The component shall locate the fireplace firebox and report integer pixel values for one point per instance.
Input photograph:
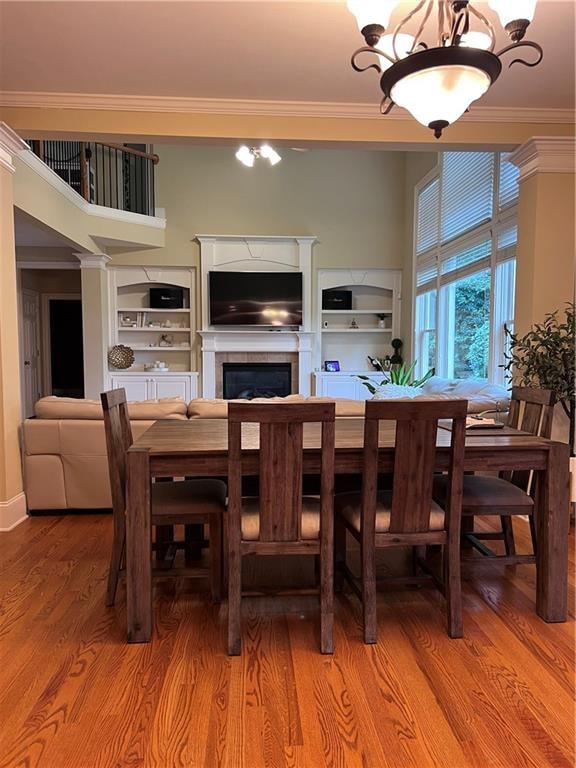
(249, 380)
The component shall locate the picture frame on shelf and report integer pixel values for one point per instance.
(332, 366)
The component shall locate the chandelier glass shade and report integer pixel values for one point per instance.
(438, 83)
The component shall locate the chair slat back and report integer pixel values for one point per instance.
(280, 463)
(118, 440)
(531, 410)
(414, 460)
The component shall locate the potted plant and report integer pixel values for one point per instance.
(544, 357)
(397, 382)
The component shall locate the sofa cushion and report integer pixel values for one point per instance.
(217, 407)
(76, 408)
(344, 406)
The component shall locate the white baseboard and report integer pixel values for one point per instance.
(12, 512)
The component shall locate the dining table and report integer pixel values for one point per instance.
(199, 448)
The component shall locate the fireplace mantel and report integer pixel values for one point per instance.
(214, 341)
(257, 253)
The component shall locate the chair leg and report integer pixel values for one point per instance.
(467, 526)
(327, 597)
(193, 535)
(164, 535)
(234, 596)
(116, 562)
(508, 534)
(216, 558)
(453, 588)
(339, 553)
(368, 556)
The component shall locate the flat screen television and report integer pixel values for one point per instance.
(255, 298)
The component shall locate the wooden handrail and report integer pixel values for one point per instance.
(155, 159)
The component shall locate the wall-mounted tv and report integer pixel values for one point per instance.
(255, 298)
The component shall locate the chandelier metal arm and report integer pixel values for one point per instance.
(488, 23)
(369, 49)
(404, 21)
(525, 44)
(459, 27)
(385, 109)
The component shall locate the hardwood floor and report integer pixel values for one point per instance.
(74, 694)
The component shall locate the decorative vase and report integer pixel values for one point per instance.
(393, 391)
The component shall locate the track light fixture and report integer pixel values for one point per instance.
(247, 155)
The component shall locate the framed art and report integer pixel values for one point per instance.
(332, 366)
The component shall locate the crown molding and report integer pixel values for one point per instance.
(10, 144)
(257, 108)
(545, 154)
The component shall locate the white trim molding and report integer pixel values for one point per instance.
(93, 260)
(51, 177)
(13, 512)
(253, 107)
(10, 145)
(47, 265)
(545, 154)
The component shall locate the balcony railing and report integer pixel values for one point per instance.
(115, 175)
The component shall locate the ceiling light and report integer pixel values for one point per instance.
(247, 155)
(372, 17)
(515, 15)
(437, 83)
(270, 154)
(403, 44)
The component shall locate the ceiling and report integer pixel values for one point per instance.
(263, 50)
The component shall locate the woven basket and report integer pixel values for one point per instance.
(121, 356)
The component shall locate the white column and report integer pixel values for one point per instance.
(12, 499)
(95, 322)
(545, 258)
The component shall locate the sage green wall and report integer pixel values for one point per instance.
(352, 200)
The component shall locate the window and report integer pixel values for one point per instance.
(465, 250)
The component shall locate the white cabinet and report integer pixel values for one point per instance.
(367, 328)
(143, 386)
(344, 384)
(153, 333)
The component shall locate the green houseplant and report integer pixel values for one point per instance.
(544, 357)
(396, 376)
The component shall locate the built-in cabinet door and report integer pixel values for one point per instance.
(157, 387)
(137, 387)
(172, 386)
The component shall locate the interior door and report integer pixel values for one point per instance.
(30, 351)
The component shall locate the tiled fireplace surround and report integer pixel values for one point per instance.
(256, 357)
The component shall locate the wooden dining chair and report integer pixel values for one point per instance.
(172, 503)
(280, 521)
(406, 515)
(509, 494)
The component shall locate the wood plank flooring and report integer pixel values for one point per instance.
(73, 694)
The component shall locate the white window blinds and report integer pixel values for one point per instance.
(506, 239)
(507, 182)
(467, 192)
(465, 260)
(428, 216)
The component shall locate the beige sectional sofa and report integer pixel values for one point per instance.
(64, 448)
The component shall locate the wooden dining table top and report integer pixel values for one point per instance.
(211, 436)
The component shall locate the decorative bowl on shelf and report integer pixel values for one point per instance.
(157, 367)
(121, 356)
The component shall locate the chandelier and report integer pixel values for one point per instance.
(438, 83)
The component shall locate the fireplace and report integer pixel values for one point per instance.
(249, 380)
